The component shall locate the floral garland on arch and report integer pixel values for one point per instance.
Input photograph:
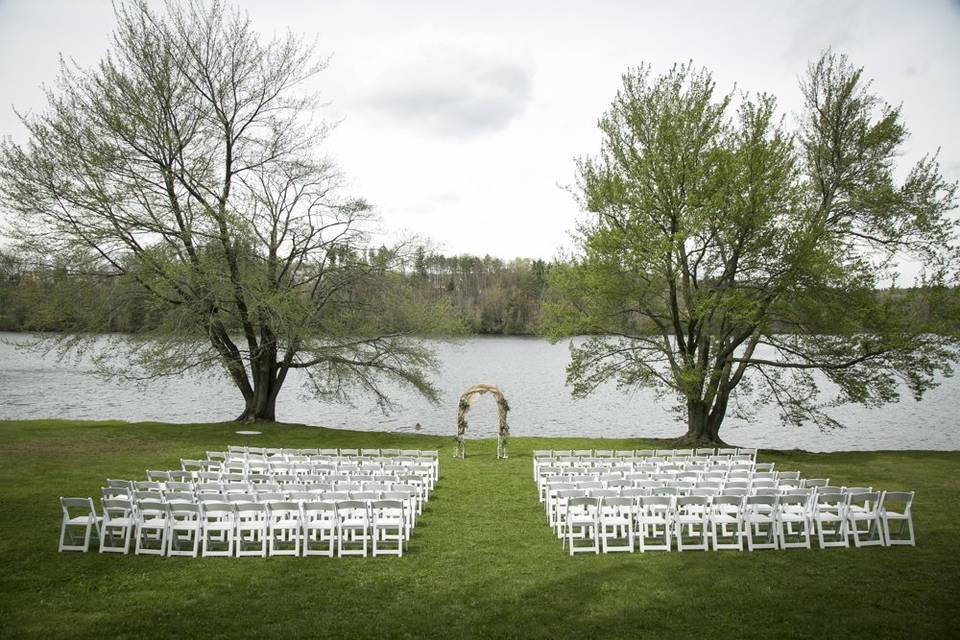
(466, 401)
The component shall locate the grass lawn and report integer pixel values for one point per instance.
(482, 561)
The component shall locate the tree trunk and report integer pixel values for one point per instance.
(261, 405)
(703, 426)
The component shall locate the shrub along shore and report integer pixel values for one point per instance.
(481, 563)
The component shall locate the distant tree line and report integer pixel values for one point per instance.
(487, 295)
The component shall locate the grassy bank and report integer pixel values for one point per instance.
(482, 562)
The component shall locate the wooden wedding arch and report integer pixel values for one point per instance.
(466, 401)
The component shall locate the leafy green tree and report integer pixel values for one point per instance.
(728, 260)
(188, 162)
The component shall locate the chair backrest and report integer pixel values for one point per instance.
(854, 490)
(124, 484)
(178, 497)
(656, 502)
(352, 508)
(112, 492)
(735, 491)
(116, 509)
(831, 498)
(281, 509)
(617, 502)
(319, 509)
(756, 500)
(728, 499)
(387, 507)
(691, 501)
(583, 503)
(183, 510)
(78, 507)
(269, 497)
(816, 482)
(153, 508)
(665, 491)
(795, 499)
(766, 491)
(704, 491)
(866, 499)
(250, 509)
(900, 501)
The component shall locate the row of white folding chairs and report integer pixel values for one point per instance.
(645, 453)
(726, 521)
(765, 479)
(403, 456)
(334, 451)
(424, 480)
(422, 474)
(651, 465)
(352, 463)
(656, 464)
(554, 504)
(263, 493)
(234, 465)
(693, 476)
(275, 483)
(276, 528)
(408, 494)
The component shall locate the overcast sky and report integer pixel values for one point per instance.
(461, 120)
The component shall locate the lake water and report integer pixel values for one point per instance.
(530, 371)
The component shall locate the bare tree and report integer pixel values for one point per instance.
(187, 160)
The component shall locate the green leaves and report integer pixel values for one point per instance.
(726, 251)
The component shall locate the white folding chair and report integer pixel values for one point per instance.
(897, 506)
(793, 521)
(760, 521)
(219, 525)
(319, 526)
(284, 528)
(830, 519)
(184, 529)
(726, 511)
(388, 527)
(863, 518)
(581, 523)
(690, 521)
(559, 502)
(656, 518)
(617, 523)
(118, 523)
(251, 529)
(151, 519)
(78, 513)
(353, 527)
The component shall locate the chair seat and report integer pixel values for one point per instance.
(154, 522)
(119, 522)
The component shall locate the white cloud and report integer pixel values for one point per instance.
(448, 85)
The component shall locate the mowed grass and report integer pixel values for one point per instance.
(482, 562)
